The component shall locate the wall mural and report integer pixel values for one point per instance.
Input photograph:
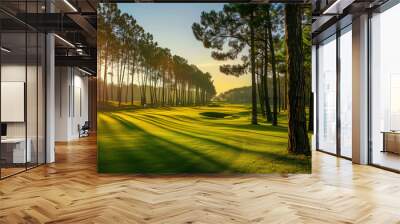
(204, 88)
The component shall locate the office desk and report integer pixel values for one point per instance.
(15, 148)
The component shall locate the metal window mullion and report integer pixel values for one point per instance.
(73, 92)
(369, 97)
(37, 90)
(26, 86)
(69, 93)
(338, 94)
(0, 91)
(317, 96)
(45, 89)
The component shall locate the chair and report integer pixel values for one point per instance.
(84, 130)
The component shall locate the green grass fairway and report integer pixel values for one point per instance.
(206, 139)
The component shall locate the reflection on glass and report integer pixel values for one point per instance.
(31, 98)
(22, 91)
(385, 92)
(346, 93)
(13, 79)
(394, 102)
(41, 99)
(327, 96)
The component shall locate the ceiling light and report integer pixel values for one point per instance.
(5, 50)
(86, 72)
(70, 5)
(79, 51)
(337, 7)
(65, 41)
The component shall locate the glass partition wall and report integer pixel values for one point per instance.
(345, 90)
(334, 83)
(22, 95)
(385, 89)
(327, 95)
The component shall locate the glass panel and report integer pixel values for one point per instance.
(13, 85)
(32, 88)
(346, 93)
(31, 98)
(385, 84)
(327, 96)
(41, 99)
(23, 82)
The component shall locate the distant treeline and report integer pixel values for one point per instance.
(126, 94)
(129, 56)
(240, 95)
(243, 95)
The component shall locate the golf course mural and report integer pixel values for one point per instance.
(204, 88)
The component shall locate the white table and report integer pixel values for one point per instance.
(19, 153)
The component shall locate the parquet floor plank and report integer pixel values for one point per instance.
(71, 191)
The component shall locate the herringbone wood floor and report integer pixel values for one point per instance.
(70, 191)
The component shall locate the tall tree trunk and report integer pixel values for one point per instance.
(285, 95)
(279, 94)
(127, 86)
(121, 81)
(99, 71)
(261, 93)
(298, 137)
(133, 76)
(112, 80)
(143, 88)
(311, 113)
(177, 94)
(253, 72)
(105, 71)
(151, 93)
(273, 65)
(265, 82)
(163, 89)
(155, 91)
(105, 88)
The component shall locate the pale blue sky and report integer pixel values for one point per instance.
(171, 26)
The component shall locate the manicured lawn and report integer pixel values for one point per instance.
(193, 140)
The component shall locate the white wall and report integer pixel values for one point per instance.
(71, 87)
(62, 81)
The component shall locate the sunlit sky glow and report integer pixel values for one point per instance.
(171, 26)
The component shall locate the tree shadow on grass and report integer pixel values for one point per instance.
(209, 122)
(156, 156)
(263, 132)
(287, 159)
(173, 123)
